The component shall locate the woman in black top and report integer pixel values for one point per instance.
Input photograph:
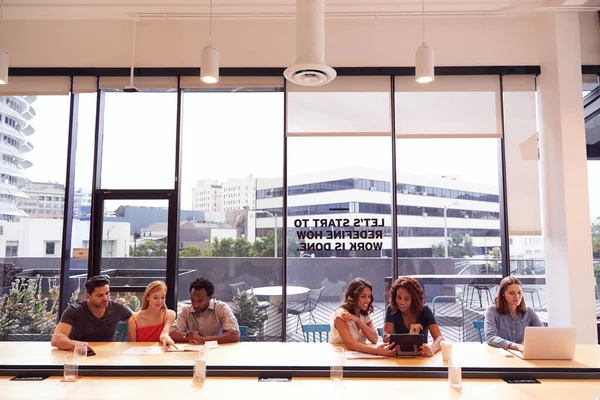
(407, 313)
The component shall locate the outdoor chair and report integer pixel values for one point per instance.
(312, 331)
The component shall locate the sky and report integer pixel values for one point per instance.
(233, 135)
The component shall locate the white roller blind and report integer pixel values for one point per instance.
(347, 106)
(233, 82)
(451, 106)
(36, 85)
(522, 163)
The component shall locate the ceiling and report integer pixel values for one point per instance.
(243, 9)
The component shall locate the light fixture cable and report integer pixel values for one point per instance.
(1, 16)
(423, 14)
(210, 25)
(133, 52)
(209, 66)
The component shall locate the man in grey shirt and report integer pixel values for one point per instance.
(206, 319)
(94, 319)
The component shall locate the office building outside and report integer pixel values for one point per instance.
(361, 199)
(239, 193)
(15, 114)
(207, 196)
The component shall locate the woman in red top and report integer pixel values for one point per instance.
(153, 322)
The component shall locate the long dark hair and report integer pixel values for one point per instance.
(500, 301)
(350, 300)
(414, 289)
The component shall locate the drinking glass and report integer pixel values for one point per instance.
(200, 364)
(454, 374)
(337, 364)
(70, 368)
(81, 353)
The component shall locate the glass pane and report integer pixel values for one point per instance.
(84, 160)
(139, 140)
(594, 190)
(225, 235)
(339, 224)
(527, 257)
(134, 243)
(34, 133)
(449, 227)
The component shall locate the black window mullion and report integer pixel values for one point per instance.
(65, 257)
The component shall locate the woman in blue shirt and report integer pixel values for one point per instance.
(407, 313)
(505, 321)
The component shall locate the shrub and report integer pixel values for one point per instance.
(9, 272)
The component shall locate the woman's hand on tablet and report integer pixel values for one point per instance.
(386, 349)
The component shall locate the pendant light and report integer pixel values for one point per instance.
(209, 66)
(3, 53)
(424, 64)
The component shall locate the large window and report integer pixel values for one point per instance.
(232, 139)
(339, 196)
(448, 195)
(338, 191)
(34, 131)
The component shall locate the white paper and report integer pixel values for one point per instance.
(145, 350)
(211, 344)
(185, 347)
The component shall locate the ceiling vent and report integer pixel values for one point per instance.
(310, 68)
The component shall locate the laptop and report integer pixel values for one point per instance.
(407, 344)
(542, 343)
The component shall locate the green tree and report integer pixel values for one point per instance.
(241, 247)
(221, 247)
(149, 248)
(191, 251)
(458, 247)
(264, 247)
(228, 247)
(596, 240)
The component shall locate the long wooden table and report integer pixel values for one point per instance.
(298, 359)
(299, 388)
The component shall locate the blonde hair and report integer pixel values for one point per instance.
(153, 287)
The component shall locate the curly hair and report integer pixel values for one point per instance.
(414, 289)
(350, 300)
(203, 283)
(153, 287)
(500, 301)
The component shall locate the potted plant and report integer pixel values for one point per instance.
(8, 272)
(245, 306)
(130, 300)
(24, 314)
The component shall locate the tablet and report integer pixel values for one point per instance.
(407, 344)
